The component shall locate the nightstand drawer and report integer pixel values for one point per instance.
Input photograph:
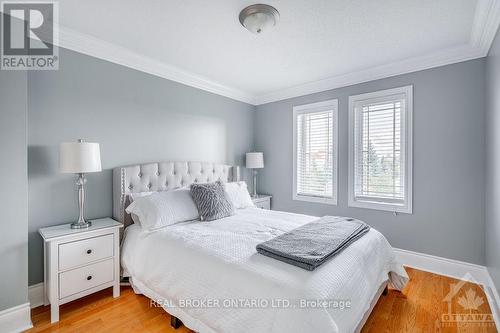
(83, 278)
(263, 204)
(79, 262)
(85, 251)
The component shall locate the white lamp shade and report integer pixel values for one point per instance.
(79, 157)
(255, 160)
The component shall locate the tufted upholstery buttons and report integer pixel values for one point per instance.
(166, 176)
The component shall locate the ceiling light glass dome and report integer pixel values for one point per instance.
(258, 18)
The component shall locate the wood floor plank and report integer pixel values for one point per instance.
(418, 309)
(421, 307)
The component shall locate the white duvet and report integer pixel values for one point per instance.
(209, 275)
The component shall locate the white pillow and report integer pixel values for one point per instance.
(238, 195)
(133, 196)
(161, 209)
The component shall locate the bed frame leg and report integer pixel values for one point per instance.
(175, 322)
(386, 291)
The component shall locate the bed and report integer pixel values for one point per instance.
(209, 275)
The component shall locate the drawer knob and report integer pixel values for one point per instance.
(89, 251)
(89, 277)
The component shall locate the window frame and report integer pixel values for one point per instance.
(329, 105)
(406, 143)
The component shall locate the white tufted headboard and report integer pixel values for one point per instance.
(163, 176)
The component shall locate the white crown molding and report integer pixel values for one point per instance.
(441, 58)
(485, 25)
(16, 319)
(95, 47)
(484, 29)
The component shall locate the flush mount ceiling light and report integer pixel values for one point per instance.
(258, 18)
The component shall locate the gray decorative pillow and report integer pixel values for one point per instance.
(212, 201)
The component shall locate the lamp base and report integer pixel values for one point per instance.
(254, 195)
(80, 225)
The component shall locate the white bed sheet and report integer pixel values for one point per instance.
(217, 262)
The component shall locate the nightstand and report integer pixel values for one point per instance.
(79, 262)
(262, 201)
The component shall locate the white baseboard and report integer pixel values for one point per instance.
(456, 269)
(493, 299)
(16, 319)
(443, 266)
(36, 294)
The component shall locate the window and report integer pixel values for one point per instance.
(315, 152)
(380, 150)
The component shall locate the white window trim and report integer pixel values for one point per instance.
(332, 105)
(408, 145)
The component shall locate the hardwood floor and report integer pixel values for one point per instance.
(420, 308)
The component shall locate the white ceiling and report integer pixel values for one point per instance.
(317, 44)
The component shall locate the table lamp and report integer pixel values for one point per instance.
(255, 160)
(80, 158)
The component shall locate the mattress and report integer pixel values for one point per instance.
(209, 275)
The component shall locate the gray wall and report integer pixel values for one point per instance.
(135, 117)
(14, 189)
(493, 162)
(448, 183)
(138, 118)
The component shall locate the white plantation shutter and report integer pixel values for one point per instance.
(380, 175)
(315, 142)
